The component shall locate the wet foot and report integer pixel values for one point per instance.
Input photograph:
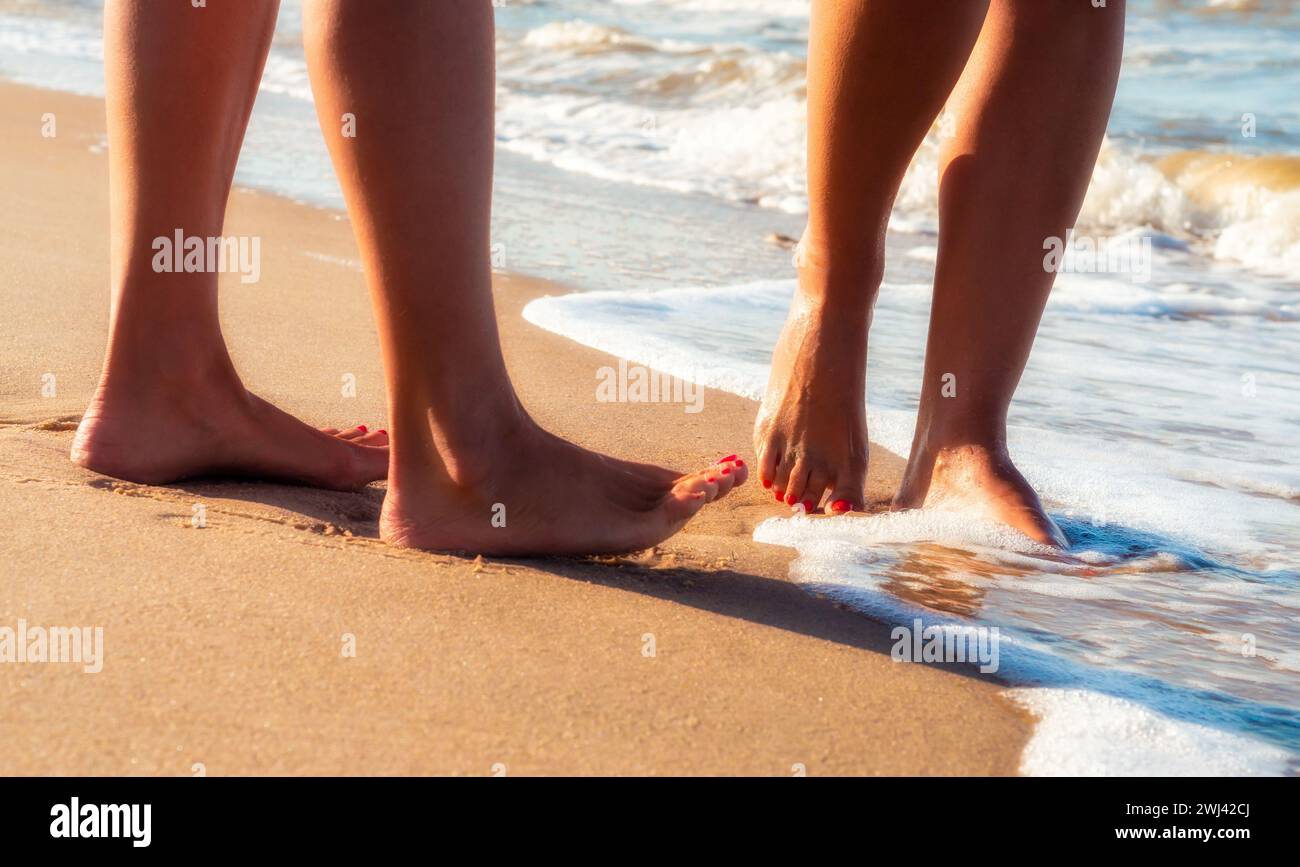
(522, 491)
(161, 433)
(981, 481)
(811, 432)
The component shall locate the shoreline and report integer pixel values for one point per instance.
(222, 644)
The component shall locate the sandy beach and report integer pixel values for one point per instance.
(224, 645)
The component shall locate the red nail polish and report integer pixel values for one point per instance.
(739, 462)
(841, 506)
(789, 500)
(727, 458)
(780, 496)
(726, 471)
(363, 428)
(710, 479)
(808, 506)
(384, 432)
(766, 483)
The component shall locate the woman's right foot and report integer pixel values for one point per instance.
(521, 491)
(979, 481)
(811, 431)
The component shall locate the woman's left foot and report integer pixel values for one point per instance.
(156, 432)
(979, 480)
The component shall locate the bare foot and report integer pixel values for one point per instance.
(523, 491)
(981, 481)
(811, 432)
(159, 433)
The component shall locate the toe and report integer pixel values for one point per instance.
(370, 462)
(361, 460)
(781, 478)
(352, 433)
(769, 456)
(681, 505)
(373, 438)
(716, 481)
(706, 482)
(818, 481)
(847, 489)
(730, 474)
(796, 483)
(1040, 527)
(844, 498)
(739, 473)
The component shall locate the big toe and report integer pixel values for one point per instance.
(370, 461)
(845, 498)
(1039, 526)
(681, 504)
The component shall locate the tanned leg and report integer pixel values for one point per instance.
(879, 72)
(180, 87)
(1031, 110)
(470, 470)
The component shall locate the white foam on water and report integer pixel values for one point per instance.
(1084, 733)
(600, 320)
(1100, 724)
(784, 8)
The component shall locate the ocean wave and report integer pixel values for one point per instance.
(583, 37)
(777, 8)
(1111, 296)
(1246, 207)
(727, 119)
(1085, 733)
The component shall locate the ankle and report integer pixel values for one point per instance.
(841, 311)
(839, 277)
(969, 438)
(846, 295)
(464, 442)
(159, 374)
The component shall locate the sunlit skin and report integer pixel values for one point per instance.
(417, 177)
(1029, 87)
(179, 87)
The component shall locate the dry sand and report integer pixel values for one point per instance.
(224, 645)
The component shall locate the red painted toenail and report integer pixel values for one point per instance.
(739, 462)
(789, 501)
(727, 458)
(384, 432)
(780, 496)
(363, 428)
(841, 506)
(808, 506)
(766, 483)
(710, 479)
(726, 471)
